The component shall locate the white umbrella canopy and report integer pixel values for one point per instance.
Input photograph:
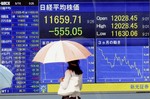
(5, 77)
(61, 51)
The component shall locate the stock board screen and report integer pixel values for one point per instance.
(116, 32)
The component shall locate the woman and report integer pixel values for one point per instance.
(72, 70)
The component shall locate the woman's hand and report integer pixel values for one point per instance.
(61, 79)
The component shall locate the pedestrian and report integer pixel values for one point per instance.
(73, 69)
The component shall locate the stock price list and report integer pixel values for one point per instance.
(19, 43)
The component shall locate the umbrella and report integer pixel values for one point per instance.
(5, 77)
(61, 51)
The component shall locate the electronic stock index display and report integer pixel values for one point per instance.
(116, 32)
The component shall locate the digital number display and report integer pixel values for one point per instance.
(68, 25)
(116, 32)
